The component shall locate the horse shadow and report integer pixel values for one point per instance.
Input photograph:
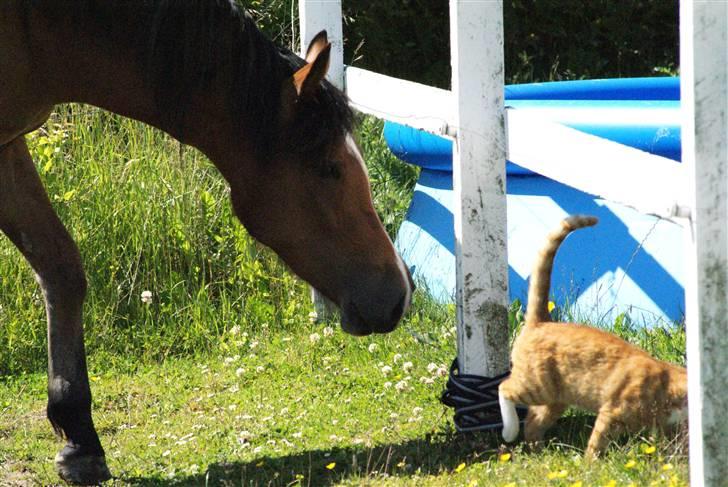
(431, 454)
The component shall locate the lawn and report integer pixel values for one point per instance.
(224, 377)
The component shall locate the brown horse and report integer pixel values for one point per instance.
(201, 71)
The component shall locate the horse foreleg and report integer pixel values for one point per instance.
(27, 218)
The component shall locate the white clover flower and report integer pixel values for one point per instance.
(441, 372)
(166, 453)
(372, 347)
(401, 386)
(432, 367)
(314, 337)
(407, 366)
(229, 360)
(387, 385)
(235, 330)
(146, 297)
(313, 317)
(254, 344)
(397, 357)
(427, 380)
(393, 416)
(239, 372)
(386, 369)
(328, 331)
(297, 434)
(259, 369)
(417, 411)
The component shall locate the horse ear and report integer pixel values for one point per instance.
(316, 45)
(308, 79)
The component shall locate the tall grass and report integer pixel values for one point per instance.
(151, 215)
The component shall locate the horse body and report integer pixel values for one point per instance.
(201, 71)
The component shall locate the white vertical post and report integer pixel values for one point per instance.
(479, 178)
(315, 16)
(704, 93)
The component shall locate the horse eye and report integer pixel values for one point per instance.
(330, 169)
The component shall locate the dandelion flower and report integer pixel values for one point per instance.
(630, 464)
(648, 449)
(504, 457)
(331, 466)
(460, 468)
(578, 483)
(551, 306)
(146, 297)
(667, 466)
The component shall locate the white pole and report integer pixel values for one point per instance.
(315, 16)
(318, 15)
(479, 178)
(704, 93)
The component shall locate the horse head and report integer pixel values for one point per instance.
(311, 203)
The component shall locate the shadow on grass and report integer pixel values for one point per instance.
(432, 455)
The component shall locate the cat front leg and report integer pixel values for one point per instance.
(606, 424)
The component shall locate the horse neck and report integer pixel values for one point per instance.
(97, 55)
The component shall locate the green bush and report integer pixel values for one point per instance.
(544, 40)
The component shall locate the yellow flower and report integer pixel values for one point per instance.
(648, 449)
(576, 484)
(630, 464)
(510, 484)
(561, 474)
(667, 466)
(299, 476)
(260, 464)
(331, 465)
(473, 483)
(552, 306)
(401, 464)
(460, 467)
(504, 457)
(611, 483)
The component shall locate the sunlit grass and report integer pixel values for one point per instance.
(206, 367)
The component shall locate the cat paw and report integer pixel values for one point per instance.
(510, 433)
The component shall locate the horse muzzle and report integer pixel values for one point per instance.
(377, 307)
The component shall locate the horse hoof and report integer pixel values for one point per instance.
(81, 469)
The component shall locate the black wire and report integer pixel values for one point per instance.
(475, 399)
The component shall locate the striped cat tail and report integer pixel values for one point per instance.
(540, 281)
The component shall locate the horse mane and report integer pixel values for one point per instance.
(194, 43)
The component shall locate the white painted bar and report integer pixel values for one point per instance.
(318, 15)
(479, 178)
(413, 104)
(315, 16)
(704, 92)
(649, 183)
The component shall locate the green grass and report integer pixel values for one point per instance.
(218, 381)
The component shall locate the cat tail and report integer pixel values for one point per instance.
(540, 282)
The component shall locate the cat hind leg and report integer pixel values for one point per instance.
(508, 414)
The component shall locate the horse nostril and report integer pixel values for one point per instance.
(399, 309)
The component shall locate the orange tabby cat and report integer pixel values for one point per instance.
(556, 365)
